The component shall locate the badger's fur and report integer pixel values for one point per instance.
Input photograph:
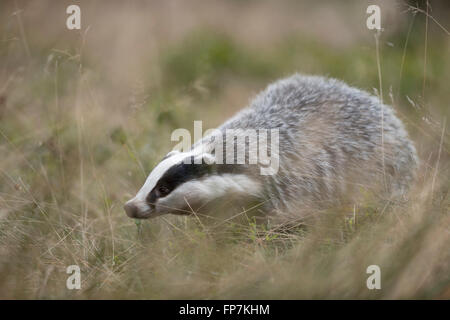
(334, 141)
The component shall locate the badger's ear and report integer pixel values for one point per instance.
(205, 158)
(208, 158)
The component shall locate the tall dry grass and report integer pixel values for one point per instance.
(85, 115)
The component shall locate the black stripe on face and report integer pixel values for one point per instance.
(175, 176)
(183, 172)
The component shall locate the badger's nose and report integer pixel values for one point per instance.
(130, 209)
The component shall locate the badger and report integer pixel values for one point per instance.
(333, 142)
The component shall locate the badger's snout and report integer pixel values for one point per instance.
(135, 209)
(131, 209)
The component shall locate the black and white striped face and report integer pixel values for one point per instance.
(182, 182)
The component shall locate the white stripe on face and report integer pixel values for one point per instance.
(158, 172)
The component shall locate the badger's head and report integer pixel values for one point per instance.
(186, 181)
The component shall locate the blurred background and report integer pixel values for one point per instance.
(85, 114)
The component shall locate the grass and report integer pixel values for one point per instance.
(84, 119)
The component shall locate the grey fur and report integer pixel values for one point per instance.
(331, 143)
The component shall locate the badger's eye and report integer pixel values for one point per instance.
(163, 190)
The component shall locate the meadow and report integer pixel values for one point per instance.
(85, 115)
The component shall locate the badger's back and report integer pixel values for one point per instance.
(333, 141)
